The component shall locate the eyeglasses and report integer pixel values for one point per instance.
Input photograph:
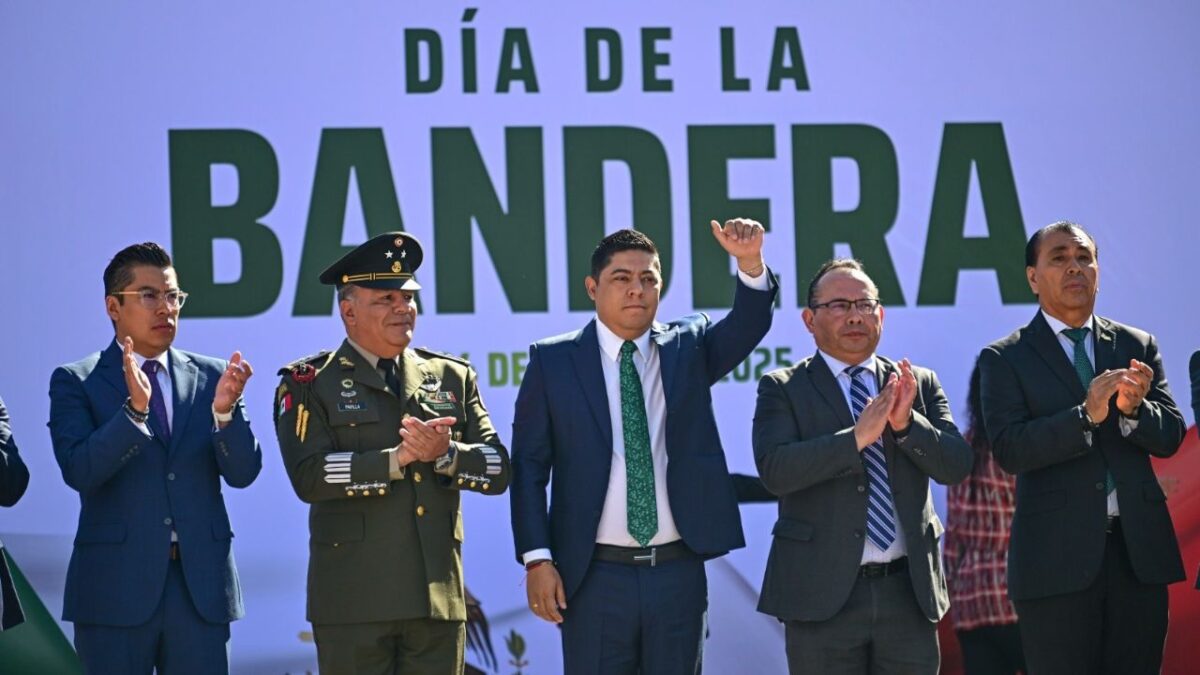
(842, 307)
(151, 298)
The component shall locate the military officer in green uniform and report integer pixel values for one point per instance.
(380, 439)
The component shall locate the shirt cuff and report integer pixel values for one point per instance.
(142, 426)
(395, 471)
(1128, 425)
(536, 554)
(758, 283)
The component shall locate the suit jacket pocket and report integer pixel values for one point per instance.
(100, 533)
(1045, 501)
(331, 529)
(796, 530)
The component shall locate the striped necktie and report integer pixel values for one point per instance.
(881, 523)
(1083, 368)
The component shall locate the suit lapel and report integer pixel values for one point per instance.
(1105, 346)
(1046, 344)
(184, 378)
(112, 370)
(414, 375)
(586, 359)
(362, 371)
(827, 386)
(668, 359)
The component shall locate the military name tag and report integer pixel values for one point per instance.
(441, 407)
(351, 406)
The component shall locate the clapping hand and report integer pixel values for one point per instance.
(136, 380)
(231, 384)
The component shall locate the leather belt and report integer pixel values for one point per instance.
(1112, 524)
(174, 550)
(651, 555)
(872, 570)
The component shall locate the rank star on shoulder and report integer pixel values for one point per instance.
(388, 255)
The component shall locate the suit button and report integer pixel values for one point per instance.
(166, 521)
(1099, 486)
(420, 510)
(862, 488)
(171, 476)
(858, 534)
(417, 477)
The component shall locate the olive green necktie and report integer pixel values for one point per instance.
(641, 515)
(1083, 368)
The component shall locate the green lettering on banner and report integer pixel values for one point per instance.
(709, 150)
(947, 251)
(469, 75)
(611, 39)
(196, 222)
(516, 46)
(652, 59)
(515, 239)
(414, 38)
(787, 61)
(342, 153)
(585, 150)
(819, 227)
(497, 369)
(729, 78)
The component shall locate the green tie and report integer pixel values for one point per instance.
(1083, 368)
(641, 510)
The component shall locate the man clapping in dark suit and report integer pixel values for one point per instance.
(617, 418)
(1075, 405)
(146, 433)
(849, 440)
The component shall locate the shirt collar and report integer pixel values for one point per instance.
(839, 367)
(610, 342)
(1058, 326)
(163, 362)
(370, 358)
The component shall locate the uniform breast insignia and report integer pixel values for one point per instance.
(345, 363)
(431, 382)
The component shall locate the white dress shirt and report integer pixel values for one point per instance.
(871, 552)
(1127, 425)
(614, 527)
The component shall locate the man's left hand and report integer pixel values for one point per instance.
(742, 238)
(231, 384)
(906, 392)
(428, 440)
(1134, 388)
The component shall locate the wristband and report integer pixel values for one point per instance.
(135, 414)
(538, 563)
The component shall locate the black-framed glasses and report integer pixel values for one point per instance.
(841, 306)
(151, 298)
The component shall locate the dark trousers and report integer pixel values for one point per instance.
(407, 647)
(628, 619)
(1117, 625)
(992, 650)
(880, 630)
(176, 640)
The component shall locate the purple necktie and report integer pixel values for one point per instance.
(158, 406)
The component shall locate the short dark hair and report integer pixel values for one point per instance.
(831, 265)
(119, 272)
(1035, 242)
(621, 240)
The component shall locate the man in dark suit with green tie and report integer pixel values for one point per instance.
(1075, 405)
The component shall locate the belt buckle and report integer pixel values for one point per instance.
(653, 557)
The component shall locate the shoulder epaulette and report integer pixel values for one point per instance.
(429, 353)
(316, 362)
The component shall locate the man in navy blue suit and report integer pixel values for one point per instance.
(145, 432)
(618, 419)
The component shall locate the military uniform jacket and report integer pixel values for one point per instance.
(383, 550)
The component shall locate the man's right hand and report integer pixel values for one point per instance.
(135, 380)
(1103, 387)
(544, 587)
(874, 417)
